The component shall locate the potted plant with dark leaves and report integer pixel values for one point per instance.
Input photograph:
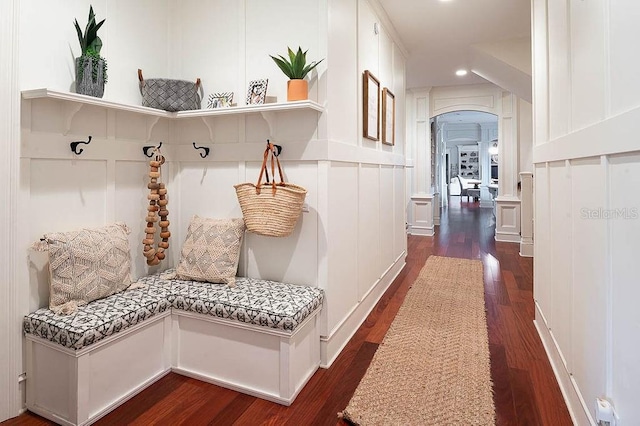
(296, 68)
(91, 68)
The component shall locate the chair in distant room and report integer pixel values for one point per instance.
(467, 190)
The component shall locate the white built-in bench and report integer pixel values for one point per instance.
(259, 337)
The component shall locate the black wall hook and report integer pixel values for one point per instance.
(74, 146)
(145, 149)
(278, 149)
(202, 154)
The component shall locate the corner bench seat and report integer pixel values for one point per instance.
(259, 337)
(99, 319)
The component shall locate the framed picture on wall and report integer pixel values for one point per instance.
(257, 92)
(371, 106)
(388, 117)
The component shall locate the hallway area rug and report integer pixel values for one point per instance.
(432, 367)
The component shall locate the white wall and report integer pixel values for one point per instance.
(350, 180)
(134, 36)
(587, 111)
(10, 289)
(365, 208)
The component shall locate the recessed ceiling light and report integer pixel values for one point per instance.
(461, 73)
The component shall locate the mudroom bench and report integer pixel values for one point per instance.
(259, 337)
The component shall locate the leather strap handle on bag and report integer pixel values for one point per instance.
(271, 149)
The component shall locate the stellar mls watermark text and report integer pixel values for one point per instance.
(600, 213)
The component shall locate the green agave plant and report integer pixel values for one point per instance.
(295, 67)
(90, 43)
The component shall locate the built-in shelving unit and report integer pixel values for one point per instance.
(76, 102)
(468, 161)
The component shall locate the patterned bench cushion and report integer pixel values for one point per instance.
(100, 318)
(252, 301)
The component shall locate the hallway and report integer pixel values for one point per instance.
(525, 390)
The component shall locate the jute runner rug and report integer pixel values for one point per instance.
(432, 367)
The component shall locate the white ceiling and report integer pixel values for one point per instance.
(439, 34)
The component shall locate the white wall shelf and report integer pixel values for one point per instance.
(76, 102)
(246, 109)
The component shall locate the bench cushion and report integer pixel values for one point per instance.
(252, 301)
(98, 319)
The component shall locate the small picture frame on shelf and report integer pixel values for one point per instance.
(220, 100)
(388, 117)
(257, 91)
(371, 106)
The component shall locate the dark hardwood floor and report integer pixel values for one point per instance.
(525, 389)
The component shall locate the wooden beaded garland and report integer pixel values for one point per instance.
(156, 213)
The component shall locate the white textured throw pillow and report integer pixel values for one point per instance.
(211, 250)
(86, 265)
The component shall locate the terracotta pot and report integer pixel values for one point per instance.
(297, 90)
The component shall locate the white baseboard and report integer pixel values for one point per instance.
(507, 237)
(580, 414)
(526, 249)
(423, 231)
(332, 345)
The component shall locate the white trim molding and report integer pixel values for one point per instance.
(422, 208)
(526, 220)
(508, 219)
(578, 410)
(10, 307)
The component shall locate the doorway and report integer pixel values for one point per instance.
(465, 164)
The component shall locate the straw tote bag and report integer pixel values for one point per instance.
(270, 209)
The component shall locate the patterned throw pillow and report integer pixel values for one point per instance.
(86, 265)
(211, 250)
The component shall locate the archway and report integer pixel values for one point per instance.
(462, 165)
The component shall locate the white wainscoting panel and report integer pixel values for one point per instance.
(342, 243)
(422, 213)
(588, 64)
(66, 195)
(292, 259)
(507, 219)
(385, 49)
(559, 69)
(387, 225)
(561, 258)
(400, 209)
(624, 178)
(130, 207)
(369, 218)
(621, 28)
(542, 240)
(342, 35)
(13, 290)
(368, 55)
(590, 276)
(207, 130)
(206, 189)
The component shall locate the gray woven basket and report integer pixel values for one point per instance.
(170, 95)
